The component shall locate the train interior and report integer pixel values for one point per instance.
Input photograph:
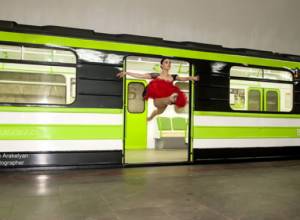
(251, 95)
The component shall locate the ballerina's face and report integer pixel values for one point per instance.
(166, 64)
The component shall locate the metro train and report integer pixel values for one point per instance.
(61, 104)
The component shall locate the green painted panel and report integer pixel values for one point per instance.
(59, 132)
(60, 109)
(205, 132)
(239, 114)
(137, 48)
(135, 125)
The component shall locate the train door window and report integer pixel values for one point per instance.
(254, 100)
(271, 100)
(262, 89)
(136, 103)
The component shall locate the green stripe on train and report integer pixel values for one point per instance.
(246, 114)
(60, 132)
(60, 109)
(138, 48)
(205, 132)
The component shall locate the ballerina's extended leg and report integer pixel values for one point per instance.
(161, 105)
(157, 111)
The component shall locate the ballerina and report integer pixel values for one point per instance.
(161, 88)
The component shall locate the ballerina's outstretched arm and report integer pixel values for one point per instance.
(135, 75)
(187, 78)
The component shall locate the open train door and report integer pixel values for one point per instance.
(166, 138)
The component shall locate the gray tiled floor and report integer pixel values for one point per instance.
(264, 190)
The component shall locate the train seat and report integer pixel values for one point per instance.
(172, 127)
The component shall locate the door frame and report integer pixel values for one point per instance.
(190, 113)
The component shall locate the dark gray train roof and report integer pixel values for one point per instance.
(127, 38)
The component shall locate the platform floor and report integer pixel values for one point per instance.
(261, 190)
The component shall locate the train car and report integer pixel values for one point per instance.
(61, 104)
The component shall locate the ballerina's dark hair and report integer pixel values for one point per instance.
(163, 59)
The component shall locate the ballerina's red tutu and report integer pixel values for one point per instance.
(159, 88)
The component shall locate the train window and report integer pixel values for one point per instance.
(262, 90)
(36, 54)
(10, 52)
(278, 75)
(63, 56)
(246, 72)
(136, 103)
(36, 84)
